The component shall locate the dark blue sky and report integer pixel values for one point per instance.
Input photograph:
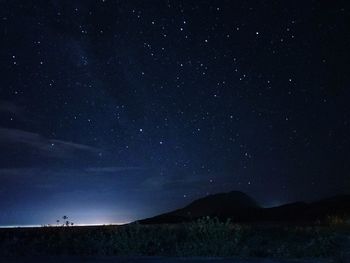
(116, 110)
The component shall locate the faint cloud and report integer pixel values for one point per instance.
(113, 169)
(172, 182)
(50, 147)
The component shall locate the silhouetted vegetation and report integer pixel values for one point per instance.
(204, 237)
(65, 222)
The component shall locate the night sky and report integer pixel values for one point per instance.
(112, 111)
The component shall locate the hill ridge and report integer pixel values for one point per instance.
(240, 207)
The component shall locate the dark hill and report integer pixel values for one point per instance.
(219, 204)
(241, 208)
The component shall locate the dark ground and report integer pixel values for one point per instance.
(162, 243)
(152, 260)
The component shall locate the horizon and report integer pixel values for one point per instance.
(53, 222)
(52, 225)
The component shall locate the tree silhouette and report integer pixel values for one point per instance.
(65, 220)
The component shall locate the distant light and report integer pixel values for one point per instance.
(19, 226)
(87, 224)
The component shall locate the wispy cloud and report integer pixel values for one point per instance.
(56, 178)
(113, 169)
(172, 182)
(49, 147)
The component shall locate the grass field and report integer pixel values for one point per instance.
(205, 237)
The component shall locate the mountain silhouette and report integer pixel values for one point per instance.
(218, 204)
(239, 207)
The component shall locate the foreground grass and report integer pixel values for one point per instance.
(205, 237)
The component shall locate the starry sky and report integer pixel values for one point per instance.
(111, 111)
